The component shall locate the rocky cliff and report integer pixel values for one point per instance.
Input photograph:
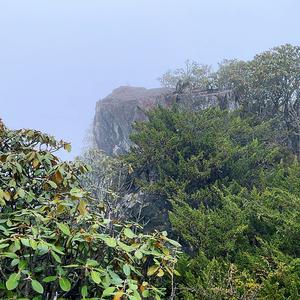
(116, 112)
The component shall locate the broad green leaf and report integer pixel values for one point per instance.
(137, 295)
(92, 263)
(84, 291)
(125, 247)
(21, 193)
(145, 293)
(129, 233)
(138, 254)
(25, 242)
(14, 262)
(76, 192)
(126, 269)
(52, 184)
(111, 242)
(108, 291)
(33, 244)
(64, 284)
(64, 228)
(12, 281)
(96, 276)
(37, 286)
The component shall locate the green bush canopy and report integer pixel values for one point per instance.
(232, 193)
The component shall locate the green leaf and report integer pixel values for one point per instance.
(64, 284)
(84, 291)
(10, 255)
(21, 193)
(138, 254)
(111, 242)
(3, 246)
(76, 192)
(129, 233)
(108, 291)
(13, 281)
(125, 247)
(145, 293)
(126, 269)
(37, 286)
(25, 242)
(56, 257)
(52, 184)
(174, 243)
(49, 279)
(64, 228)
(92, 263)
(14, 262)
(96, 276)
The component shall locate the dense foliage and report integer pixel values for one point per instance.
(232, 192)
(55, 245)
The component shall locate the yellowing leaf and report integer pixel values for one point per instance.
(35, 163)
(152, 270)
(6, 196)
(160, 273)
(68, 147)
(118, 295)
(82, 208)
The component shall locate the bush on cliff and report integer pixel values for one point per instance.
(232, 192)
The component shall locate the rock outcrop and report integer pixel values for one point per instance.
(116, 112)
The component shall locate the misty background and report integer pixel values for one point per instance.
(57, 58)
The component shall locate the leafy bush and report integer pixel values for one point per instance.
(53, 245)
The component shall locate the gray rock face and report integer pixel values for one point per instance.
(116, 112)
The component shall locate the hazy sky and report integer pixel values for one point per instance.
(58, 57)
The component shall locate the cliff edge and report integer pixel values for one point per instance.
(116, 112)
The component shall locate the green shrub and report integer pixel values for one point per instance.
(53, 246)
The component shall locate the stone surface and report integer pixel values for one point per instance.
(116, 112)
